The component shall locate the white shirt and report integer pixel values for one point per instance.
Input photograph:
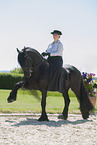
(55, 49)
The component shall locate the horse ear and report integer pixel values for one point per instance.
(24, 47)
(18, 50)
(24, 50)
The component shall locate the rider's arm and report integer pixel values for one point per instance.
(58, 51)
(55, 49)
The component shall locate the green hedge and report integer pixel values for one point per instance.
(8, 80)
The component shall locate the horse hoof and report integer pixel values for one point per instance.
(43, 119)
(85, 117)
(11, 100)
(60, 116)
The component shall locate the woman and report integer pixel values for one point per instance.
(55, 50)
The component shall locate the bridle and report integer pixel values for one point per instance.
(37, 66)
(32, 68)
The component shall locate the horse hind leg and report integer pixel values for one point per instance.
(64, 114)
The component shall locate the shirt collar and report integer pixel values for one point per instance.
(56, 42)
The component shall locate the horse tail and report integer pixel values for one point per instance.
(85, 104)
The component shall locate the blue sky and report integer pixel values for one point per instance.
(29, 23)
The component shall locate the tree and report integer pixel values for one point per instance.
(17, 70)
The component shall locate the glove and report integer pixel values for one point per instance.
(45, 54)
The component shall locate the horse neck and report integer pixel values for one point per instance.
(36, 58)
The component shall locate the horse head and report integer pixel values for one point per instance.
(26, 62)
(30, 60)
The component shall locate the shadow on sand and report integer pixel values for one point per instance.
(59, 123)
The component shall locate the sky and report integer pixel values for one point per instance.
(30, 22)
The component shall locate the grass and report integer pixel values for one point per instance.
(27, 103)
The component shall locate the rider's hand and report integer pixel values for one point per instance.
(45, 54)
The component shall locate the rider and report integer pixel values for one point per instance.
(55, 50)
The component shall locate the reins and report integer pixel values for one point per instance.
(32, 69)
(37, 66)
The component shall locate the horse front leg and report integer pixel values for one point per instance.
(64, 114)
(13, 93)
(44, 116)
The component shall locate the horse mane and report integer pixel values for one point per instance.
(31, 50)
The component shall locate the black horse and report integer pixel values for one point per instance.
(37, 76)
